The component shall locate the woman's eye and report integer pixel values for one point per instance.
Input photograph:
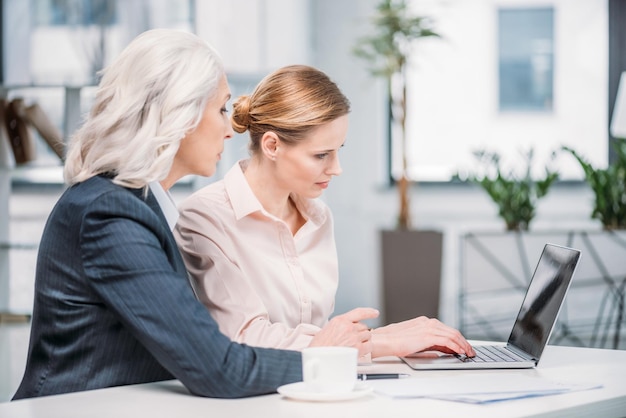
(321, 156)
(224, 110)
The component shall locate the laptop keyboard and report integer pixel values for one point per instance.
(491, 353)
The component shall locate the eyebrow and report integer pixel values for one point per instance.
(331, 149)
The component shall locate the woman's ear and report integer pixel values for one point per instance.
(270, 145)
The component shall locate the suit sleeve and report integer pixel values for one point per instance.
(125, 256)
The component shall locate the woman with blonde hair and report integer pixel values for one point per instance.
(259, 244)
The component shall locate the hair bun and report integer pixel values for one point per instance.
(241, 114)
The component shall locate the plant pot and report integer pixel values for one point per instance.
(411, 268)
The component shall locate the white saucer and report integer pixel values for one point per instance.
(299, 392)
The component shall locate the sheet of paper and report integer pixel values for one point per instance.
(475, 387)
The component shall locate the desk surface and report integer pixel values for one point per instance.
(171, 399)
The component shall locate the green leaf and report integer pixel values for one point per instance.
(608, 186)
(516, 196)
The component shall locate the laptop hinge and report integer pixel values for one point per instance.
(522, 353)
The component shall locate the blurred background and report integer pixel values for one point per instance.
(511, 77)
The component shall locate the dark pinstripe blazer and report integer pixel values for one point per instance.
(113, 306)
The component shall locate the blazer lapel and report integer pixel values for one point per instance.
(150, 200)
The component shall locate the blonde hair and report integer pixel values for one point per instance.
(290, 102)
(147, 101)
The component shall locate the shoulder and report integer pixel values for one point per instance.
(98, 197)
(213, 195)
(99, 190)
(92, 190)
(206, 209)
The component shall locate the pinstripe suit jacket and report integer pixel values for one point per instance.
(113, 306)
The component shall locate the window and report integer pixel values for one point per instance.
(57, 47)
(69, 41)
(525, 48)
(74, 12)
(507, 76)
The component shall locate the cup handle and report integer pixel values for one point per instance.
(311, 368)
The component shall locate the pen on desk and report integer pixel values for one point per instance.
(364, 376)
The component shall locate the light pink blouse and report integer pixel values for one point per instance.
(264, 286)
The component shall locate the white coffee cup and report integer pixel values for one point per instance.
(329, 369)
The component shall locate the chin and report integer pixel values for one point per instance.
(207, 172)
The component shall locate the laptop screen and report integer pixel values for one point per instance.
(543, 299)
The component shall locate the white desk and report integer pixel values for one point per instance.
(171, 399)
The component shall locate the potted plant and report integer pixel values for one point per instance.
(387, 52)
(495, 266)
(608, 186)
(411, 259)
(515, 194)
(609, 207)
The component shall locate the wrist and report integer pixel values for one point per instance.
(380, 345)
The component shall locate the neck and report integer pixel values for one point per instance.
(166, 185)
(273, 198)
(172, 177)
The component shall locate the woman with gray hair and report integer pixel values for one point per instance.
(113, 304)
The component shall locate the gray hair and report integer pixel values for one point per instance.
(150, 97)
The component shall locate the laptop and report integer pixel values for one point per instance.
(533, 325)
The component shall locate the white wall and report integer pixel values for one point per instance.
(256, 36)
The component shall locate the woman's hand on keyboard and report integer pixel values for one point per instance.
(418, 334)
